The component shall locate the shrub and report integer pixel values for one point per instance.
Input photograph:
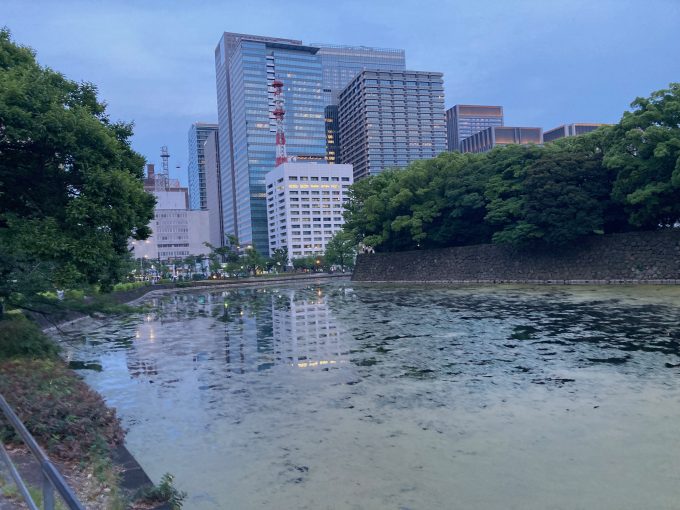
(19, 337)
(164, 492)
(123, 287)
(64, 415)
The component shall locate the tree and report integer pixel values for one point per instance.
(644, 152)
(554, 194)
(252, 261)
(71, 193)
(221, 254)
(309, 262)
(341, 250)
(430, 204)
(279, 258)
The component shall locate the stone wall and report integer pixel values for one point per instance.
(635, 257)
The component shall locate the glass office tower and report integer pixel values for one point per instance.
(246, 67)
(198, 134)
(342, 63)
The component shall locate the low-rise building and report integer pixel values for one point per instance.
(464, 120)
(305, 206)
(177, 231)
(495, 136)
(579, 128)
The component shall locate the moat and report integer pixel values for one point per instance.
(354, 396)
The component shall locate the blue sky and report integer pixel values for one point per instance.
(548, 62)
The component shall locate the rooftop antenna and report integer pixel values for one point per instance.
(279, 112)
(163, 178)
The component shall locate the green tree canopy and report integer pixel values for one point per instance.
(617, 178)
(555, 194)
(644, 152)
(279, 258)
(71, 193)
(341, 250)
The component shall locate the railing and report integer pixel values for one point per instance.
(52, 479)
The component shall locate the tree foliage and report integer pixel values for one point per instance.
(644, 153)
(617, 178)
(341, 250)
(71, 193)
(279, 258)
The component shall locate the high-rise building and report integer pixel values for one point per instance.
(305, 206)
(213, 195)
(246, 68)
(569, 130)
(332, 134)
(390, 118)
(339, 65)
(464, 120)
(342, 63)
(495, 136)
(198, 133)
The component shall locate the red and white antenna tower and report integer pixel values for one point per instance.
(279, 112)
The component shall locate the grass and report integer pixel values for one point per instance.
(11, 492)
(124, 287)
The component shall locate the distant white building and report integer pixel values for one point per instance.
(177, 231)
(305, 206)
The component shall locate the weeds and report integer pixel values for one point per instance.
(164, 492)
(61, 411)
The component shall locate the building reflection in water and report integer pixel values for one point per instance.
(239, 331)
(305, 333)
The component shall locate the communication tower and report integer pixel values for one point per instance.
(163, 178)
(279, 112)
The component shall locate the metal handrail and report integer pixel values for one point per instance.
(52, 479)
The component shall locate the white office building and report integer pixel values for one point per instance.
(177, 231)
(305, 206)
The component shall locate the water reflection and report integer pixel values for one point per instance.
(305, 333)
(341, 396)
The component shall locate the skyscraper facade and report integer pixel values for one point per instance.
(214, 188)
(339, 65)
(569, 130)
(332, 134)
(198, 134)
(390, 118)
(342, 63)
(464, 120)
(246, 67)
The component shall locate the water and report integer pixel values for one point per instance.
(347, 396)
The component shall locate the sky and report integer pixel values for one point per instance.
(547, 62)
